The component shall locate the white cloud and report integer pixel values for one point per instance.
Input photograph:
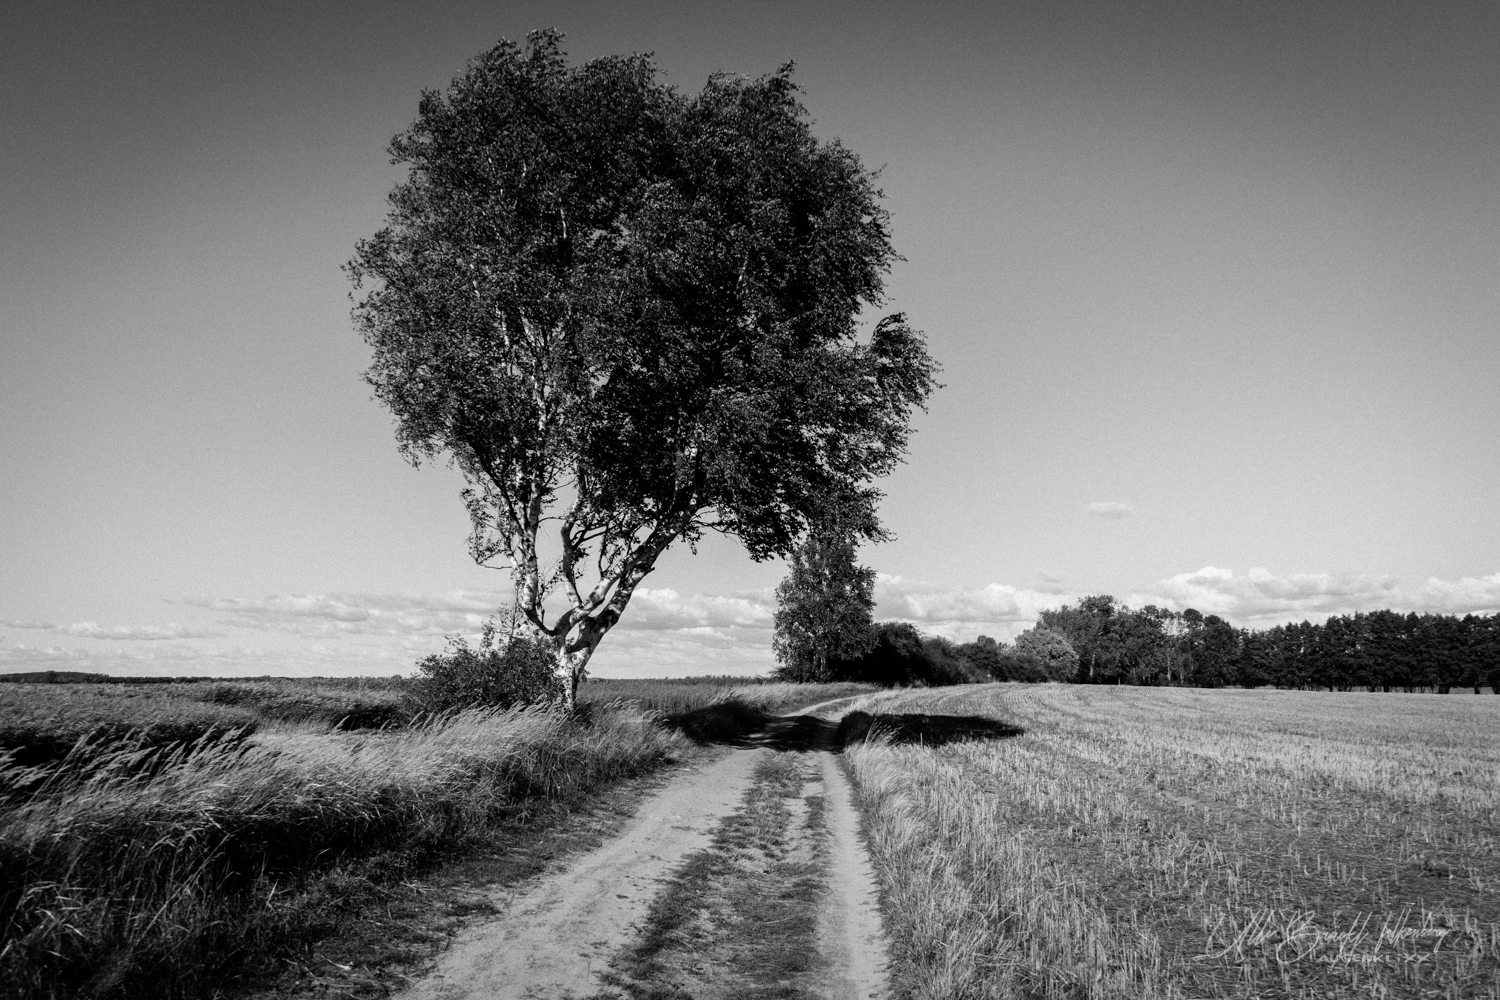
(1261, 597)
(1469, 595)
(174, 660)
(369, 614)
(466, 611)
(998, 609)
(683, 653)
(93, 630)
(667, 609)
(1110, 510)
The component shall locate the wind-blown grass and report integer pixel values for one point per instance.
(163, 882)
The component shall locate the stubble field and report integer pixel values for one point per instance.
(1145, 843)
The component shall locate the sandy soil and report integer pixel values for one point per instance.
(851, 935)
(556, 938)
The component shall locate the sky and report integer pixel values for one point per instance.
(1213, 285)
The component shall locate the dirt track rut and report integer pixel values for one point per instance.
(554, 939)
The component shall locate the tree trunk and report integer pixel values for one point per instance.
(570, 668)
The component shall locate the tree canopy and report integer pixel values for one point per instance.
(824, 609)
(630, 315)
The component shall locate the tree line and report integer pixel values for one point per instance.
(825, 631)
(1364, 651)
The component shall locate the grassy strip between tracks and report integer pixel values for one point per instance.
(739, 919)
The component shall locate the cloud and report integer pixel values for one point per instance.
(683, 653)
(368, 614)
(667, 609)
(960, 611)
(466, 611)
(1110, 510)
(93, 630)
(1261, 597)
(173, 660)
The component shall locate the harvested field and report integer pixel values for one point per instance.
(1148, 842)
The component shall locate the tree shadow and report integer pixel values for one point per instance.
(736, 724)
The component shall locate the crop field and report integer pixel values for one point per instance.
(1150, 842)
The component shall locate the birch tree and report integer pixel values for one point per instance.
(630, 316)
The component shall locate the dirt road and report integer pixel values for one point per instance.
(557, 937)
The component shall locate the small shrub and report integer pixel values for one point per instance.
(518, 670)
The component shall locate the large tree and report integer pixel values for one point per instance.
(630, 316)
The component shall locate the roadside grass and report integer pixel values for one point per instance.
(740, 918)
(165, 883)
(1180, 843)
(391, 930)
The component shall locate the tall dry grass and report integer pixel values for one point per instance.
(162, 882)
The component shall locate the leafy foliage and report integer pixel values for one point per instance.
(902, 656)
(1054, 654)
(823, 609)
(516, 670)
(631, 315)
(1377, 650)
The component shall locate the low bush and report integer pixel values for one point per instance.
(519, 669)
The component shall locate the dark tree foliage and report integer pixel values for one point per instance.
(983, 655)
(904, 657)
(1376, 651)
(823, 609)
(499, 673)
(1050, 651)
(630, 315)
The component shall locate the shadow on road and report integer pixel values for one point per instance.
(735, 724)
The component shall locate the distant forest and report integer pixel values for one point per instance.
(1365, 651)
(1100, 641)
